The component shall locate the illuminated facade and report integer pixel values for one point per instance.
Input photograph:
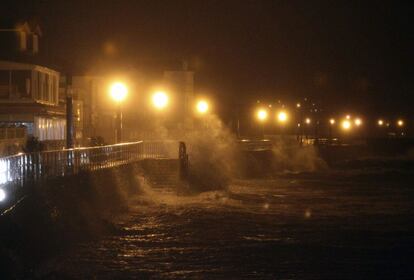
(29, 96)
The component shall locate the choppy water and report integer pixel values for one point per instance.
(331, 225)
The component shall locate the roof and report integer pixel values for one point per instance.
(26, 26)
(10, 65)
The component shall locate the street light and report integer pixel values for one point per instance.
(282, 117)
(331, 122)
(380, 122)
(118, 92)
(160, 100)
(400, 123)
(358, 122)
(261, 115)
(202, 107)
(346, 124)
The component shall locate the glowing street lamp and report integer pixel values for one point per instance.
(380, 122)
(331, 122)
(400, 123)
(308, 121)
(160, 100)
(261, 115)
(202, 107)
(118, 92)
(358, 122)
(346, 124)
(282, 117)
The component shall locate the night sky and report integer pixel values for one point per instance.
(346, 54)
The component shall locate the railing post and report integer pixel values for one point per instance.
(183, 157)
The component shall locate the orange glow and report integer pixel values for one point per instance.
(261, 115)
(346, 125)
(118, 91)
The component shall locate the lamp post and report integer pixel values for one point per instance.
(118, 93)
(331, 124)
(299, 117)
(202, 109)
(160, 100)
(282, 118)
(261, 115)
(308, 123)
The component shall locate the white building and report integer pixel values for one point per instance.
(29, 96)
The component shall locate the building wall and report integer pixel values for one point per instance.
(181, 85)
(29, 95)
(96, 109)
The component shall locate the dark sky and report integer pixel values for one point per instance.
(346, 54)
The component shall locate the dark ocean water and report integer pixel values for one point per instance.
(335, 224)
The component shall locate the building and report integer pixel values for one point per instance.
(29, 96)
(29, 92)
(181, 86)
(19, 41)
(93, 110)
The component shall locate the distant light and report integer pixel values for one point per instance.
(262, 115)
(298, 105)
(358, 122)
(298, 124)
(118, 91)
(2, 195)
(160, 100)
(202, 106)
(400, 123)
(348, 117)
(332, 121)
(380, 122)
(307, 120)
(346, 124)
(282, 116)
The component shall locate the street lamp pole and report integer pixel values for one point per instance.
(118, 92)
(119, 123)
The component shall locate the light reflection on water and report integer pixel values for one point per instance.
(256, 229)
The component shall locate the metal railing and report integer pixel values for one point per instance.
(32, 167)
(255, 145)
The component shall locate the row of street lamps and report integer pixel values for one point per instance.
(346, 123)
(160, 100)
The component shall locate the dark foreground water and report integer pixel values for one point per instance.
(343, 224)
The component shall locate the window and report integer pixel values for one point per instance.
(21, 82)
